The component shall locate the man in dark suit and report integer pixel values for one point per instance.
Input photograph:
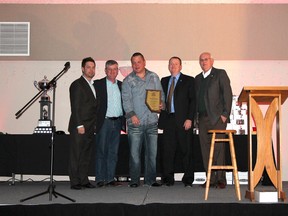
(176, 122)
(82, 125)
(214, 101)
(109, 122)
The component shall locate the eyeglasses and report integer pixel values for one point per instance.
(204, 60)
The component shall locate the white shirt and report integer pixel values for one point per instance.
(207, 73)
(91, 85)
(114, 105)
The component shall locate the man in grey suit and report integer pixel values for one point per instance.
(213, 106)
(82, 125)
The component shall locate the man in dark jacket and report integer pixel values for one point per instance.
(214, 101)
(176, 122)
(82, 125)
(109, 124)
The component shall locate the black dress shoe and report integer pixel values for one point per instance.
(156, 184)
(100, 184)
(88, 185)
(76, 187)
(134, 185)
(188, 184)
(169, 184)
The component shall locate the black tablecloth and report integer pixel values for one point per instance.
(30, 154)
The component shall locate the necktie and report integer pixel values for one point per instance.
(169, 99)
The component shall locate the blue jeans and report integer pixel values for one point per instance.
(147, 135)
(107, 143)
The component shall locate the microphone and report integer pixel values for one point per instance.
(67, 65)
(52, 83)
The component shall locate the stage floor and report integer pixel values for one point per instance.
(143, 195)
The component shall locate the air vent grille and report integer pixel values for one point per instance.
(14, 38)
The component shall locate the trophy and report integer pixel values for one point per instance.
(44, 123)
(43, 85)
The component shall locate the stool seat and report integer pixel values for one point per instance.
(223, 167)
(222, 131)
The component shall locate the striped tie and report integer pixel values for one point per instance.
(169, 100)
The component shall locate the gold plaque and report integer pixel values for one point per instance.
(153, 100)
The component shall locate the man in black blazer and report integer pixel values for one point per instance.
(176, 122)
(214, 101)
(109, 124)
(82, 125)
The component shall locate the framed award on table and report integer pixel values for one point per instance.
(153, 100)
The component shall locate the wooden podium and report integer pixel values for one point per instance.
(274, 97)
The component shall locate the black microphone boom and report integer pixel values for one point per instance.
(67, 65)
(52, 83)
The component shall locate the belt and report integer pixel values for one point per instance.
(112, 118)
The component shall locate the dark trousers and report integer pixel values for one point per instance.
(176, 140)
(219, 151)
(80, 157)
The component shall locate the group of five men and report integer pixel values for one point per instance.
(107, 105)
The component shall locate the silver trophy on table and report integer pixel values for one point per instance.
(44, 122)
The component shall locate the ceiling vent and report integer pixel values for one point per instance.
(14, 38)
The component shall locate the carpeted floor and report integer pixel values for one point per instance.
(12, 194)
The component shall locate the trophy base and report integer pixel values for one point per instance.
(44, 123)
(43, 130)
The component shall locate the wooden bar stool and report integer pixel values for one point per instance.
(225, 167)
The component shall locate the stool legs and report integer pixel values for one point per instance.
(233, 160)
(209, 166)
(234, 164)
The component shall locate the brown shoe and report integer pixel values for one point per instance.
(221, 185)
(113, 184)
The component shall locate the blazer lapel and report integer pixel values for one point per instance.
(87, 87)
(165, 87)
(211, 76)
(119, 85)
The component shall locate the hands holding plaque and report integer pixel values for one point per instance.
(153, 100)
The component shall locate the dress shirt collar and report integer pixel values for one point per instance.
(207, 73)
(176, 77)
(109, 81)
(89, 82)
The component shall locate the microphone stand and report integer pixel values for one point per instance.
(51, 188)
(26, 106)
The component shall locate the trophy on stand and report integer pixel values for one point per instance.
(44, 123)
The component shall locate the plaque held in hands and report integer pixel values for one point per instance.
(153, 100)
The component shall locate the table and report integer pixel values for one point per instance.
(30, 154)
